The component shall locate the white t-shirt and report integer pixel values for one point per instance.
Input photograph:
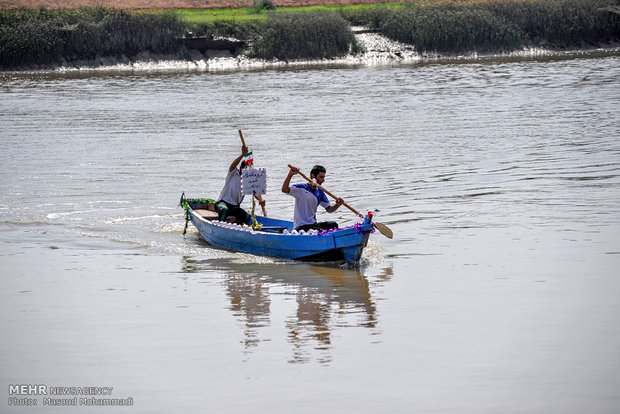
(306, 203)
(231, 193)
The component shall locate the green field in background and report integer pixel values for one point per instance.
(213, 15)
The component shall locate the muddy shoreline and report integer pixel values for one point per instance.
(378, 51)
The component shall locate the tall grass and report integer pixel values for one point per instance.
(494, 25)
(562, 22)
(450, 29)
(42, 36)
(314, 35)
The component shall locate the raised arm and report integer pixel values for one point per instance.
(236, 161)
(286, 185)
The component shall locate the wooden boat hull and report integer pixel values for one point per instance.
(346, 244)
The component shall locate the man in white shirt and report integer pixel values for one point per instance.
(308, 197)
(231, 196)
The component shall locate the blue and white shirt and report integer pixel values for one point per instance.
(231, 193)
(307, 201)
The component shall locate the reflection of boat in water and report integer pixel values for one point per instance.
(327, 298)
(277, 237)
(343, 285)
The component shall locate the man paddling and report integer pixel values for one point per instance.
(308, 197)
(231, 197)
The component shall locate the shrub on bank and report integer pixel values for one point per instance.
(454, 28)
(563, 22)
(261, 5)
(316, 35)
(42, 36)
(498, 25)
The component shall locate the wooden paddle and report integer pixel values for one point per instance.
(261, 198)
(383, 229)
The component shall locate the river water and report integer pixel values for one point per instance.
(500, 291)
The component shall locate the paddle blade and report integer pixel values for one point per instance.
(385, 230)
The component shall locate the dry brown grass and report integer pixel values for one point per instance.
(172, 4)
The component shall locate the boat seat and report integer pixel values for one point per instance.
(212, 215)
(206, 214)
(204, 206)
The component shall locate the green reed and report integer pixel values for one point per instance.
(42, 36)
(495, 25)
(46, 37)
(316, 35)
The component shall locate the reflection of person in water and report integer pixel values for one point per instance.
(311, 324)
(323, 295)
(250, 302)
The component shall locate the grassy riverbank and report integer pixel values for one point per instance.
(42, 37)
(47, 37)
(495, 25)
(310, 35)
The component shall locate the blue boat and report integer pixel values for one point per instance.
(273, 237)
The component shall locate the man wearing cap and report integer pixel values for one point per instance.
(308, 197)
(231, 197)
